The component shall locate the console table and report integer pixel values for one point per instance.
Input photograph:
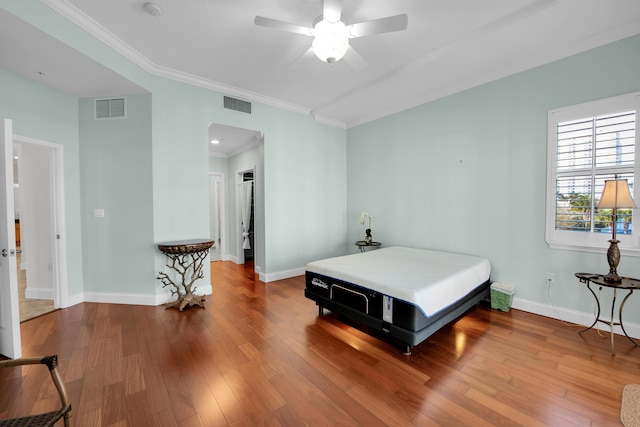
(186, 259)
(363, 244)
(626, 283)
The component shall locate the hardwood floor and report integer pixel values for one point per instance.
(258, 355)
(29, 307)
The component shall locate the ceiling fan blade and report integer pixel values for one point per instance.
(332, 10)
(354, 60)
(281, 25)
(377, 26)
(304, 57)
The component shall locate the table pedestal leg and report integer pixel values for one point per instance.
(625, 283)
(611, 323)
(621, 325)
(598, 308)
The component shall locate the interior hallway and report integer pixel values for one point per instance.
(29, 307)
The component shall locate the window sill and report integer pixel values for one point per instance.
(601, 249)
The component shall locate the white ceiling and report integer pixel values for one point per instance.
(231, 140)
(27, 51)
(449, 46)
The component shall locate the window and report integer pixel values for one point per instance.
(588, 144)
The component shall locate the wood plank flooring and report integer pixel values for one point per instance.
(29, 307)
(258, 355)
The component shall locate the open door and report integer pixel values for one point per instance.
(9, 316)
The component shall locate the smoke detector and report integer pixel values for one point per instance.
(153, 9)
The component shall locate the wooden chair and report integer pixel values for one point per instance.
(49, 418)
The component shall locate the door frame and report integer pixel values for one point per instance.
(238, 233)
(58, 222)
(223, 216)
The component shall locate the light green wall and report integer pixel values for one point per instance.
(467, 173)
(41, 113)
(304, 175)
(220, 165)
(306, 196)
(304, 172)
(115, 165)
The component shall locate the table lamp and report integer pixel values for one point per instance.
(615, 195)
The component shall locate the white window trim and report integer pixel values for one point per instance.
(580, 241)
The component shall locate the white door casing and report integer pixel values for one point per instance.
(10, 344)
(56, 242)
(217, 215)
(239, 217)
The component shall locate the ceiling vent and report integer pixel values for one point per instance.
(112, 108)
(237, 105)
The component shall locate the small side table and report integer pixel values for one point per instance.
(627, 283)
(363, 245)
(186, 259)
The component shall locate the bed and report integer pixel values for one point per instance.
(404, 293)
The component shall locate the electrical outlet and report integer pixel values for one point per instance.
(551, 278)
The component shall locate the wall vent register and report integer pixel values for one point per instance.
(110, 108)
(237, 105)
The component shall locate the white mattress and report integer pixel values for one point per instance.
(431, 280)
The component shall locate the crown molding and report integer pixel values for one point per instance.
(91, 26)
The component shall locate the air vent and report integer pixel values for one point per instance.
(110, 108)
(237, 105)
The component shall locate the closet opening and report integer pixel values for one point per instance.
(247, 212)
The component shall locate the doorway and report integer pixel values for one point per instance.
(233, 151)
(246, 204)
(217, 217)
(38, 211)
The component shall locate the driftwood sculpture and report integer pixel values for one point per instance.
(186, 259)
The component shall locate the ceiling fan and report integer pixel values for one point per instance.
(331, 35)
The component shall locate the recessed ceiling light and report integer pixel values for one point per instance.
(215, 141)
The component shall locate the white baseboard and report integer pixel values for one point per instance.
(38, 293)
(74, 300)
(272, 277)
(547, 310)
(573, 316)
(135, 299)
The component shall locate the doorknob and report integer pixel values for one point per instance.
(4, 253)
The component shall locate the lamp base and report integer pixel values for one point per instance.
(610, 278)
(613, 257)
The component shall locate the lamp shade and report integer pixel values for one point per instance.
(330, 42)
(616, 195)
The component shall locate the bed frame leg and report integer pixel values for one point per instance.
(407, 350)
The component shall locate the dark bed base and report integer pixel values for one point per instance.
(410, 326)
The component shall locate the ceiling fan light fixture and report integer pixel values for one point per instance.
(330, 41)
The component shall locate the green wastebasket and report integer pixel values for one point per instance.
(502, 296)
